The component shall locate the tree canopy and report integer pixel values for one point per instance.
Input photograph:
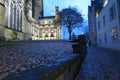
(70, 18)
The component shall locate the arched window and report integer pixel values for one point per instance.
(18, 19)
(21, 20)
(14, 16)
(11, 15)
(6, 13)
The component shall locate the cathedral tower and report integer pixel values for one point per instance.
(37, 9)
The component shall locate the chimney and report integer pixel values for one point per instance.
(57, 10)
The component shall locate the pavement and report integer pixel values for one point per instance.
(16, 57)
(100, 64)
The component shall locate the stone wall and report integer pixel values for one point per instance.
(12, 35)
(27, 30)
(13, 23)
(2, 14)
(63, 69)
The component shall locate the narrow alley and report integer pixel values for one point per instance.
(100, 64)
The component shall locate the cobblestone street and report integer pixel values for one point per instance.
(100, 64)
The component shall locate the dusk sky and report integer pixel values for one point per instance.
(81, 5)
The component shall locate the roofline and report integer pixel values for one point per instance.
(47, 17)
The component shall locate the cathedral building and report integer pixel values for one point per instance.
(14, 13)
(2, 14)
(18, 18)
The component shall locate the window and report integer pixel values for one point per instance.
(18, 20)
(46, 33)
(21, 21)
(100, 1)
(112, 13)
(100, 41)
(40, 33)
(15, 17)
(104, 23)
(50, 22)
(97, 14)
(114, 34)
(93, 30)
(42, 22)
(11, 15)
(98, 25)
(52, 33)
(105, 37)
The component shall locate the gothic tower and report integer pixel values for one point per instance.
(37, 9)
(57, 21)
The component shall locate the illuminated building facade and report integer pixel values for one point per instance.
(48, 29)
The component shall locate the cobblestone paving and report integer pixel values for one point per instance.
(19, 57)
(100, 64)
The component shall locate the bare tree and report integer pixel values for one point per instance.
(70, 18)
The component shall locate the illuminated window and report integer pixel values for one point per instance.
(52, 33)
(114, 34)
(97, 14)
(46, 33)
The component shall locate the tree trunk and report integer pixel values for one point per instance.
(69, 31)
(69, 35)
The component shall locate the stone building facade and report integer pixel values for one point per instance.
(92, 24)
(14, 18)
(49, 28)
(2, 18)
(17, 19)
(108, 24)
(93, 11)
